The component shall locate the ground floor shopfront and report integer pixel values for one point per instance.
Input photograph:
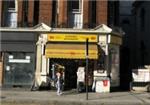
(70, 72)
(17, 58)
(68, 49)
(28, 57)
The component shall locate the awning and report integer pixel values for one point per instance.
(70, 51)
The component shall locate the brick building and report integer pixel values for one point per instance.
(58, 13)
(55, 13)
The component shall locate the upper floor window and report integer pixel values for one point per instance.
(11, 4)
(74, 14)
(142, 18)
(75, 5)
(92, 12)
(36, 12)
(25, 13)
(10, 13)
(113, 10)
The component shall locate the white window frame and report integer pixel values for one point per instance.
(79, 12)
(12, 10)
(80, 7)
(15, 9)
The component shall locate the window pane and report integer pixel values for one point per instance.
(11, 19)
(75, 4)
(19, 68)
(11, 4)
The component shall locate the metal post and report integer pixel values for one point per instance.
(87, 69)
(107, 54)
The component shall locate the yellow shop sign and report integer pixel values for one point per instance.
(57, 37)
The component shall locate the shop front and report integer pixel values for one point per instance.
(18, 56)
(30, 56)
(69, 51)
(67, 48)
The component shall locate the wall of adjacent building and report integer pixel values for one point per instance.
(0, 11)
(142, 33)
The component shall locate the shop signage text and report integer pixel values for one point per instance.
(58, 37)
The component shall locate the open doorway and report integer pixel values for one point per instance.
(70, 77)
(70, 71)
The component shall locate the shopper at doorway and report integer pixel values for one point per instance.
(59, 82)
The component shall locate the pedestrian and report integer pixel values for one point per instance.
(59, 82)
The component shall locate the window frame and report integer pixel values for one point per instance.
(71, 4)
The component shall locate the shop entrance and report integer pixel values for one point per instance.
(70, 76)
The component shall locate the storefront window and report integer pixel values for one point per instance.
(19, 68)
(114, 65)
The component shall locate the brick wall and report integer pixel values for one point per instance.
(101, 12)
(20, 12)
(85, 13)
(62, 14)
(30, 13)
(45, 12)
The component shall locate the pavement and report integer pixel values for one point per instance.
(27, 97)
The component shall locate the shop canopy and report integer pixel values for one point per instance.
(71, 51)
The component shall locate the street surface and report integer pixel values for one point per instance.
(27, 97)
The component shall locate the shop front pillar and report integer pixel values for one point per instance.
(38, 62)
(108, 65)
(41, 61)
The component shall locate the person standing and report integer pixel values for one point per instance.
(59, 82)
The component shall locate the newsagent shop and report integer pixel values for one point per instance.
(32, 56)
(66, 48)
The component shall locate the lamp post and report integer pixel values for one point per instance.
(87, 53)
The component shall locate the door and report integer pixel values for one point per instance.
(70, 76)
